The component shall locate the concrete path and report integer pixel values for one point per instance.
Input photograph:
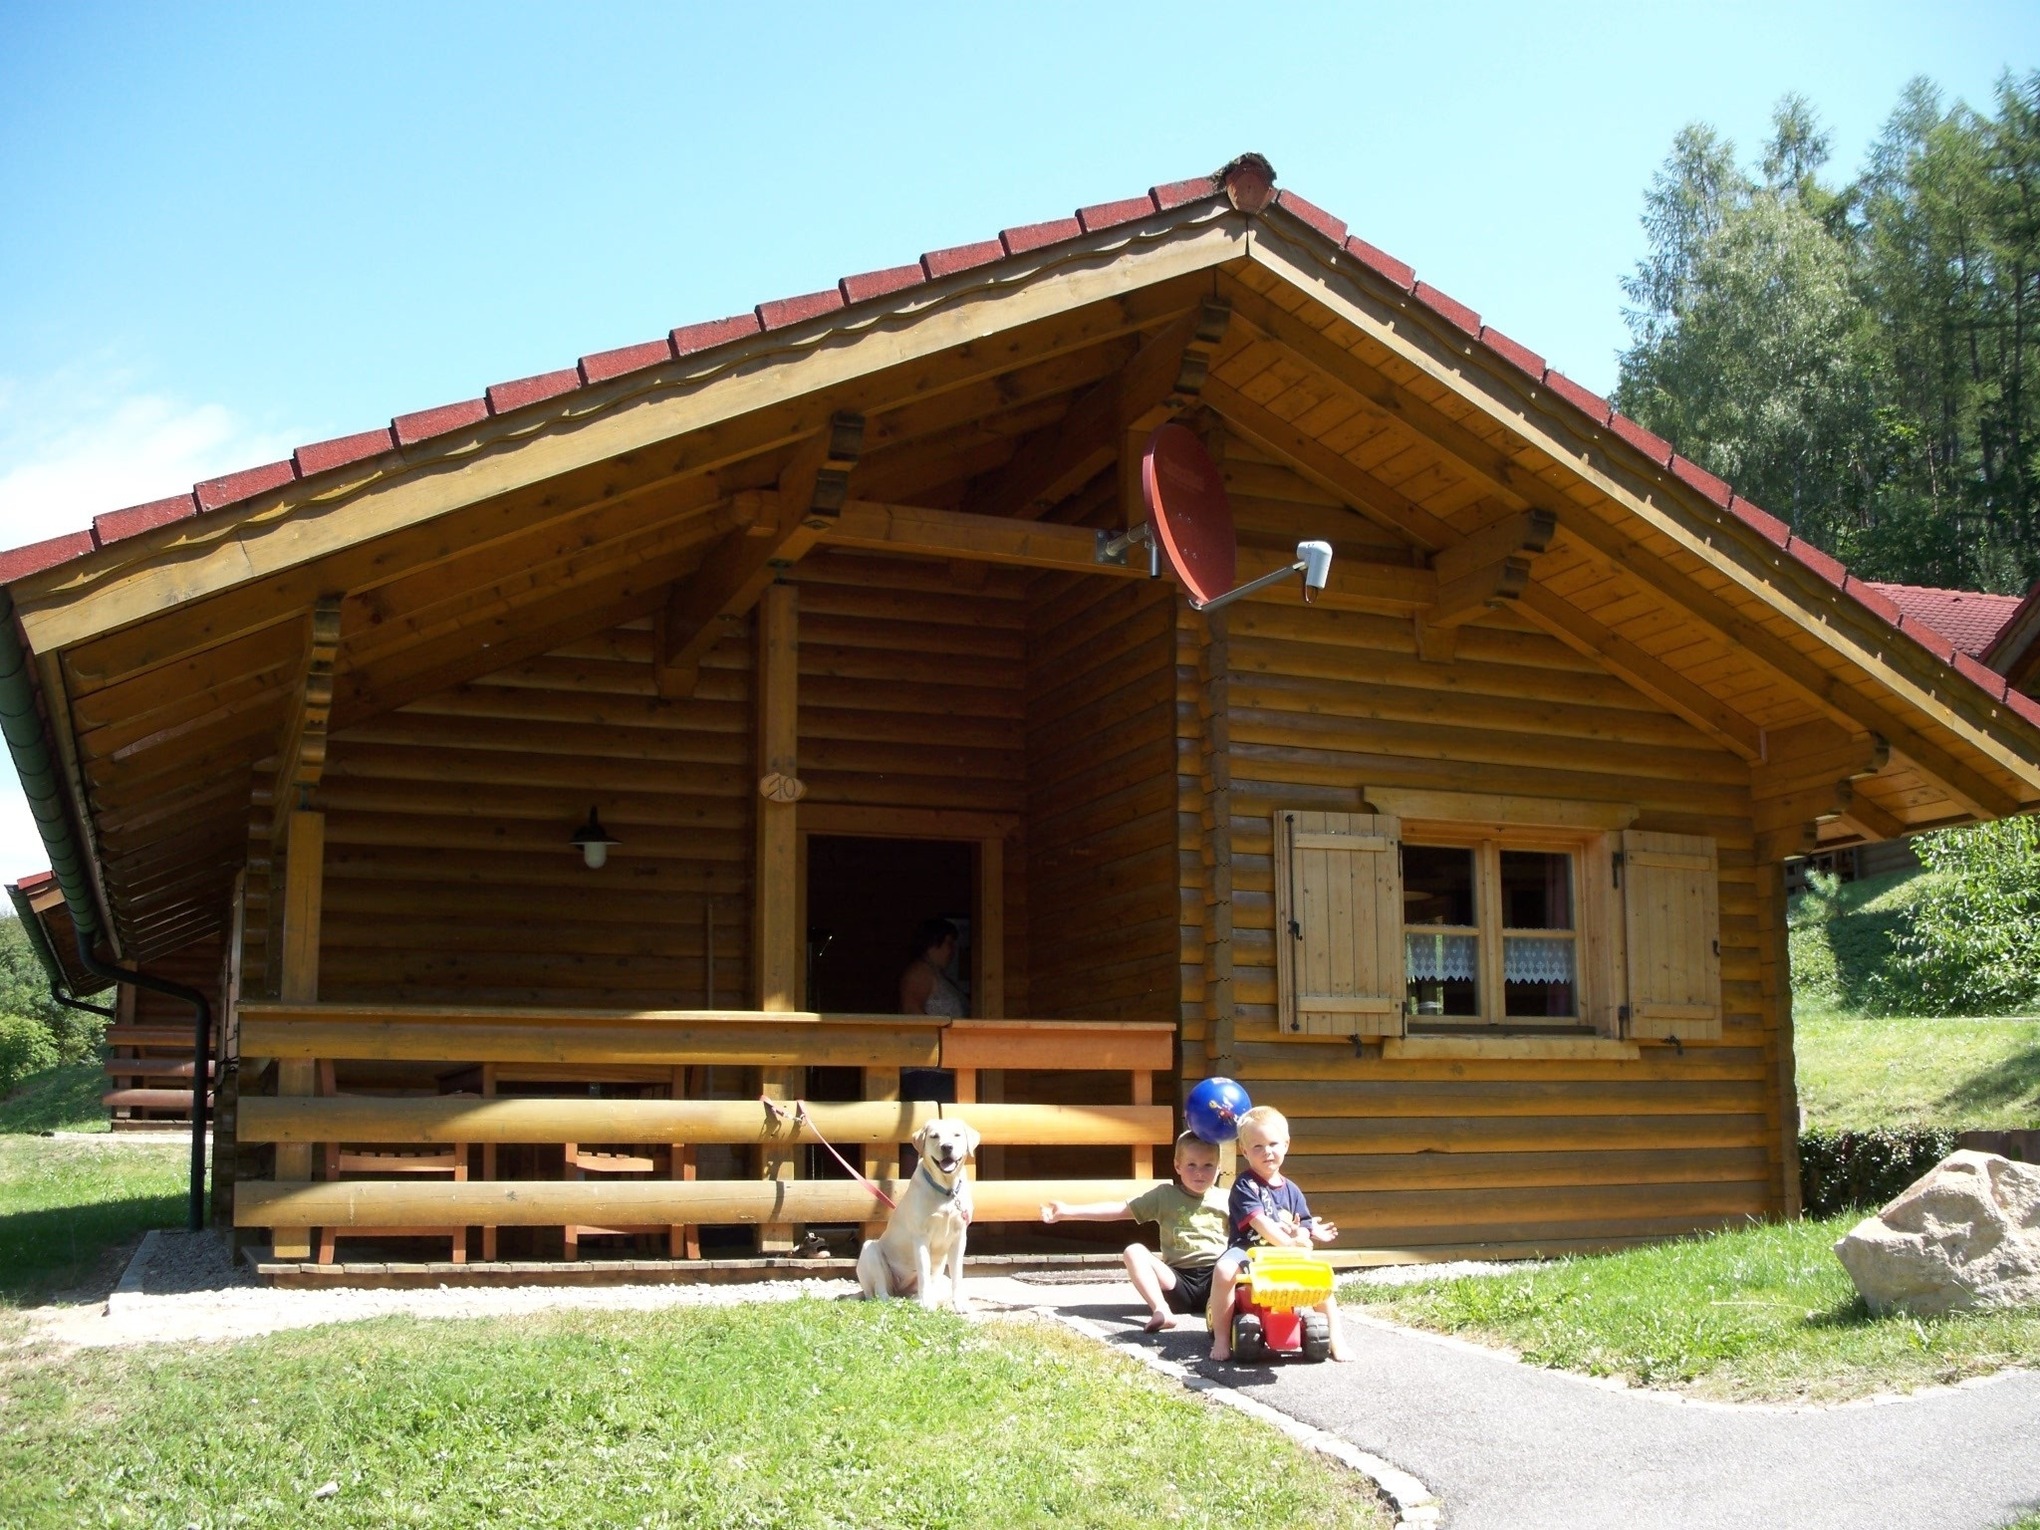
(1508, 1446)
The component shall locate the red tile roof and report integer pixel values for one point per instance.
(1968, 619)
(1943, 621)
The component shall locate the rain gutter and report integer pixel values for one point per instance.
(42, 783)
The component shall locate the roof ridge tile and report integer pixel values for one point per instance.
(625, 359)
(962, 257)
(504, 397)
(866, 285)
(1447, 307)
(1028, 237)
(341, 451)
(1588, 402)
(1101, 215)
(1402, 277)
(20, 562)
(784, 313)
(1182, 193)
(1312, 216)
(690, 339)
(440, 420)
(1516, 354)
(119, 525)
(232, 488)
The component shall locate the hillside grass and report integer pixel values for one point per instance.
(61, 1099)
(1856, 1073)
(70, 1209)
(1760, 1313)
(811, 1413)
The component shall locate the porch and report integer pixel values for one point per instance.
(520, 1132)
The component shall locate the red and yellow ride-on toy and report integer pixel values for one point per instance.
(1273, 1304)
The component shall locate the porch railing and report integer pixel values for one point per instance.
(532, 1048)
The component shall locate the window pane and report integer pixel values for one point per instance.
(1537, 976)
(1536, 890)
(1437, 885)
(1441, 972)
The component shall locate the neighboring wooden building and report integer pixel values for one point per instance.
(1474, 867)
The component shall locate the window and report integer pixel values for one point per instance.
(1448, 923)
(1489, 932)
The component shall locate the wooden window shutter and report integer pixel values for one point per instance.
(1672, 929)
(1338, 924)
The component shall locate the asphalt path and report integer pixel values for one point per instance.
(1508, 1446)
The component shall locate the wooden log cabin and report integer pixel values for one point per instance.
(1473, 866)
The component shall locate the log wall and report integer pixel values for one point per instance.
(448, 872)
(1101, 799)
(1438, 1154)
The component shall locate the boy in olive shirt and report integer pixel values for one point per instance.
(1190, 1211)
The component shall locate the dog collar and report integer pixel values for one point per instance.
(935, 1184)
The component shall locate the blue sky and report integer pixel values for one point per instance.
(233, 229)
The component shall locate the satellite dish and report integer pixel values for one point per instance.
(1188, 512)
(1190, 523)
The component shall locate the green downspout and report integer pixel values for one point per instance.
(21, 722)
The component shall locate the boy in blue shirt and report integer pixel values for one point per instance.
(1266, 1209)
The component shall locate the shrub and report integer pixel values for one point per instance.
(1841, 1171)
(1972, 946)
(26, 1046)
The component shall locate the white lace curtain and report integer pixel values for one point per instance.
(1454, 958)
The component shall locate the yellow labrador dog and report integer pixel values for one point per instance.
(930, 1223)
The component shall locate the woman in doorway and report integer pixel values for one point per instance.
(925, 987)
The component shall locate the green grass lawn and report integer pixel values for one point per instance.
(1856, 1073)
(67, 1208)
(812, 1413)
(63, 1099)
(1764, 1312)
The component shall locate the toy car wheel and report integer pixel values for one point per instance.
(1249, 1344)
(1317, 1337)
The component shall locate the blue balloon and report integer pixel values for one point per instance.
(1214, 1109)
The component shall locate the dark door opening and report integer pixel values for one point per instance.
(866, 898)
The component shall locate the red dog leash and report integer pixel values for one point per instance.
(801, 1117)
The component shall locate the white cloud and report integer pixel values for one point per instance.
(84, 441)
(87, 440)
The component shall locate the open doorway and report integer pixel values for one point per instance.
(866, 898)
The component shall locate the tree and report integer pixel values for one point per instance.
(1859, 360)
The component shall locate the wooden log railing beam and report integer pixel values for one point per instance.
(876, 1121)
(300, 1206)
(1055, 462)
(737, 569)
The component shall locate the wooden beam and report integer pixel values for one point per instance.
(301, 757)
(303, 884)
(1476, 592)
(1522, 534)
(1055, 462)
(812, 491)
(1874, 821)
(776, 937)
(1807, 805)
(1814, 753)
(1654, 678)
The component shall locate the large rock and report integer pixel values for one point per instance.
(1965, 1235)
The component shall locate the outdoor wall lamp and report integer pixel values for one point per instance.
(593, 841)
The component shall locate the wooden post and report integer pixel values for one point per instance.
(988, 1002)
(1216, 706)
(488, 1086)
(1143, 1094)
(303, 882)
(881, 1160)
(1774, 969)
(776, 940)
(683, 1241)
